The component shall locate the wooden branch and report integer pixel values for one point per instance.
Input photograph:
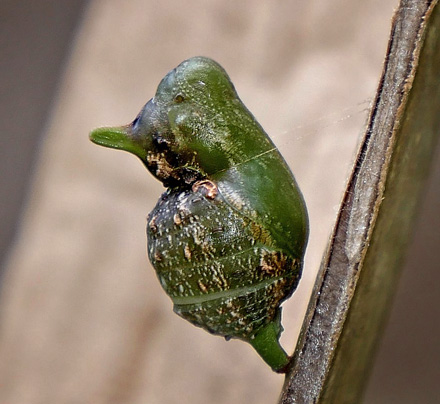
(360, 269)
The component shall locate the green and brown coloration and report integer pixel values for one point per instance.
(227, 238)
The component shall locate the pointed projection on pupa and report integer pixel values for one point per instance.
(227, 238)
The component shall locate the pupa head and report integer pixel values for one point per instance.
(189, 129)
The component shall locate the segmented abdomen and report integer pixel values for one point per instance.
(219, 267)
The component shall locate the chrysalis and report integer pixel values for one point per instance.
(227, 238)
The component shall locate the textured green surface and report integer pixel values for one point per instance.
(227, 238)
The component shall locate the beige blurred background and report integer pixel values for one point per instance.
(82, 316)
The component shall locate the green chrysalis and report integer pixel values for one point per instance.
(227, 238)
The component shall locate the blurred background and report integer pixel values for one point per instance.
(82, 316)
